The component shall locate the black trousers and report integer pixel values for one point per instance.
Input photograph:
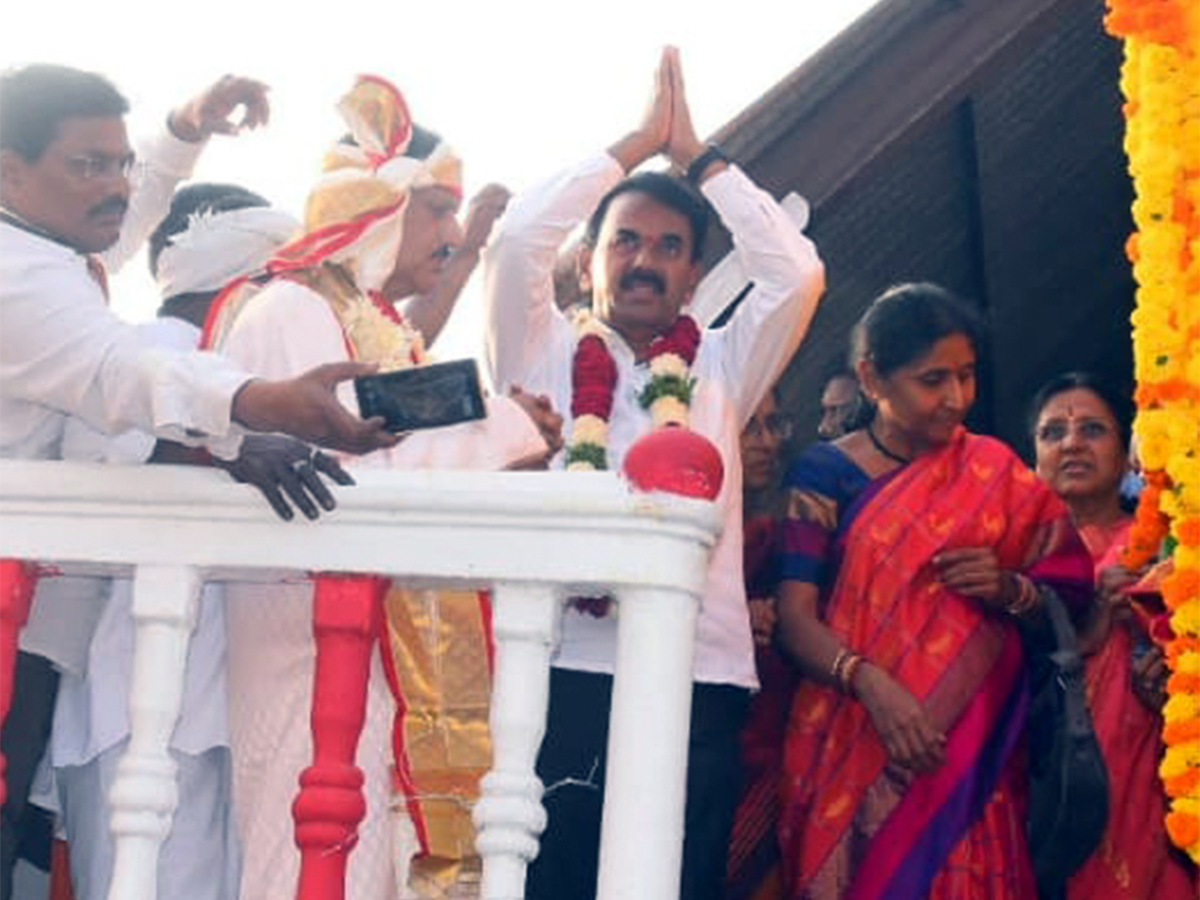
(571, 766)
(24, 828)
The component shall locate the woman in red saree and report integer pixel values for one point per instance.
(910, 551)
(1080, 428)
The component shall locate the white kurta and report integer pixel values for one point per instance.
(531, 344)
(66, 358)
(286, 329)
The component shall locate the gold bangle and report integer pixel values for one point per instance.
(849, 670)
(1027, 597)
(835, 670)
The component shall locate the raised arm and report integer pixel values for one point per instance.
(518, 285)
(783, 265)
(169, 158)
(429, 312)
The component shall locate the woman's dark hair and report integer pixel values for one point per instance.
(36, 98)
(1118, 403)
(670, 192)
(198, 198)
(904, 323)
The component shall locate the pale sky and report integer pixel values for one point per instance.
(520, 88)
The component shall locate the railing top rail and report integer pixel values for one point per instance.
(584, 529)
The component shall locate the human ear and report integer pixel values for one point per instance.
(868, 378)
(583, 268)
(12, 170)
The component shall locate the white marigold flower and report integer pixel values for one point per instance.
(580, 466)
(590, 430)
(669, 411)
(667, 365)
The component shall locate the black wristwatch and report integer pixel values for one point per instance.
(696, 170)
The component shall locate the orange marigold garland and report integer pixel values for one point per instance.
(1160, 79)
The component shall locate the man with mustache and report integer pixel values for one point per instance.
(66, 195)
(641, 264)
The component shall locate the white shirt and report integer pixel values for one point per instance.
(531, 344)
(67, 361)
(64, 354)
(92, 711)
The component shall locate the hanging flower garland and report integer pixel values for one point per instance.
(668, 395)
(1160, 79)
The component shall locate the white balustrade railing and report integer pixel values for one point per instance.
(533, 538)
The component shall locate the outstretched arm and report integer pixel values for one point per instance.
(518, 285)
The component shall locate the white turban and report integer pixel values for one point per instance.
(218, 247)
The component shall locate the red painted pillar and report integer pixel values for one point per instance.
(331, 803)
(17, 580)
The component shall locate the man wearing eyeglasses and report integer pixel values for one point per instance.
(66, 194)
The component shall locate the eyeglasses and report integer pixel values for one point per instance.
(778, 425)
(99, 166)
(1087, 429)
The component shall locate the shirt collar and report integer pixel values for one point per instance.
(16, 221)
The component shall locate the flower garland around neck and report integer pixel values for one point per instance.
(378, 333)
(667, 396)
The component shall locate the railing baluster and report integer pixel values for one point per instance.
(509, 815)
(331, 803)
(145, 793)
(17, 581)
(641, 837)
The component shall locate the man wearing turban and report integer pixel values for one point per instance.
(378, 225)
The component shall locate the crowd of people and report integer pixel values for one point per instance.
(858, 721)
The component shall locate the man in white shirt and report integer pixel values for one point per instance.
(641, 264)
(65, 194)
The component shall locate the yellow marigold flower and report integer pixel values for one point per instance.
(1182, 707)
(580, 466)
(1178, 759)
(1189, 663)
(1186, 620)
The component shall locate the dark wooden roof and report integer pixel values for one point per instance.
(976, 144)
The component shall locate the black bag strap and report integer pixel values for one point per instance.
(1068, 664)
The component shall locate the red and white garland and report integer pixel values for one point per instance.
(668, 395)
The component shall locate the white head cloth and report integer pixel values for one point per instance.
(218, 247)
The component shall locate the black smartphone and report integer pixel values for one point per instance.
(430, 396)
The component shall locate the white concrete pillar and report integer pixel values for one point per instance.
(509, 815)
(145, 793)
(641, 838)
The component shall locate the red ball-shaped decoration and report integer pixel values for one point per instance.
(677, 461)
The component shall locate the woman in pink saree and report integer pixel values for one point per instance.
(911, 550)
(1080, 429)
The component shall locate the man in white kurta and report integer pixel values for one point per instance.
(532, 344)
(64, 356)
(321, 314)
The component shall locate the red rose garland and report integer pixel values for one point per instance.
(594, 383)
